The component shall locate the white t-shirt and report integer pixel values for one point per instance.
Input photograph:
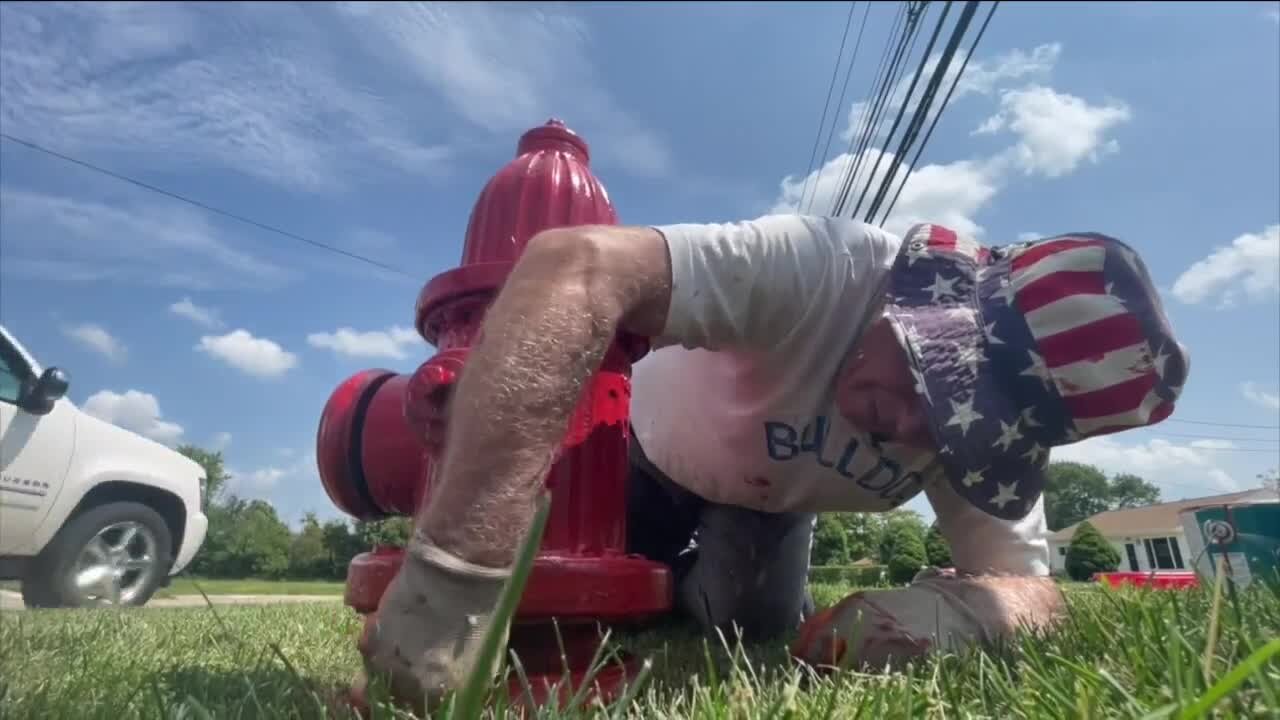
(737, 403)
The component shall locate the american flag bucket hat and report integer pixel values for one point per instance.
(1021, 348)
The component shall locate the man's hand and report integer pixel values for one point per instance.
(425, 638)
(938, 610)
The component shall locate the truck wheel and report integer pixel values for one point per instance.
(113, 554)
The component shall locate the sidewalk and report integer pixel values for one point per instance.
(10, 600)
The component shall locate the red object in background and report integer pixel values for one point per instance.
(1160, 580)
(379, 436)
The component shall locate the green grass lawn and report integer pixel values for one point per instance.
(1123, 654)
(187, 586)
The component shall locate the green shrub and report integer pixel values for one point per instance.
(907, 556)
(857, 576)
(936, 548)
(1090, 553)
(830, 544)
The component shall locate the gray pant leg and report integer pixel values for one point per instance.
(751, 569)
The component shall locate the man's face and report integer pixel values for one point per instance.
(876, 391)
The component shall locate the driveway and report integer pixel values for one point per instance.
(10, 600)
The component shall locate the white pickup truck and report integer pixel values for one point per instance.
(90, 514)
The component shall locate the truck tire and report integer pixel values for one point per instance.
(113, 554)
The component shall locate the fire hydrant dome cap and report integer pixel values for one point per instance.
(548, 184)
(553, 135)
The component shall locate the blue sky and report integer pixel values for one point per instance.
(373, 128)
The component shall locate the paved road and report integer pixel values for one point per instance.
(10, 600)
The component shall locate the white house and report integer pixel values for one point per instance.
(1147, 538)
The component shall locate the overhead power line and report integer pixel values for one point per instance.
(1198, 487)
(1269, 451)
(203, 205)
(874, 111)
(826, 105)
(863, 192)
(1222, 424)
(916, 13)
(831, 130)
(890, 62)
(915, 161)
(1195, 436)
(915, 78)
(921, 112)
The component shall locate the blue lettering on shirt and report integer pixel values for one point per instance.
(784, 443)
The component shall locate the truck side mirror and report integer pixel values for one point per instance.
(39, 397)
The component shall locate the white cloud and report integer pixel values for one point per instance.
(208, 317)
(1017, 64)
(1260, 397)
(310, 97)
(390, 343)
(221, 441)
(1212, 444)
(253, 483)
(1056, 131)
(265, 477)
(135, 411)
(980, 78)
(1029, 236)
(259, 357)
(96, 338)
(1250, 265)
(1178, 469)
(504, 67)
(261, 481)
(168, 245)
(948, 194)
(272, 92)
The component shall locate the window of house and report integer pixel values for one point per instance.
(1062, 550)
(1163, 553)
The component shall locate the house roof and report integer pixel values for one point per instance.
(1161, 517)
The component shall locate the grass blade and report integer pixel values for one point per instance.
(1232, 680)
(469, 702)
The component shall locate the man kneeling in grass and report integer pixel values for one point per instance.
(805, 365)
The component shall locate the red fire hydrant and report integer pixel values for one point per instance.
(375, 461)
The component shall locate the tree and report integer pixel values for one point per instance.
(1129, 491)
(387, 531)
(265, 540)
(1090, 553)
(308, 556)
(245, 539)
(936, 548)
(862, 534)
(1270, 479)
(907, 554)
(830, 545)
(898, 524)
(216, 475)
(1074, 492)
(341, 545)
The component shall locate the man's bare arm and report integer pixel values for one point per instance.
(543, 337)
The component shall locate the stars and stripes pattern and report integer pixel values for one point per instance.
(1021, 348)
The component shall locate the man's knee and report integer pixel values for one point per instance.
(751, 573)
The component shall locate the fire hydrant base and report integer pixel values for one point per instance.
(609, 588)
